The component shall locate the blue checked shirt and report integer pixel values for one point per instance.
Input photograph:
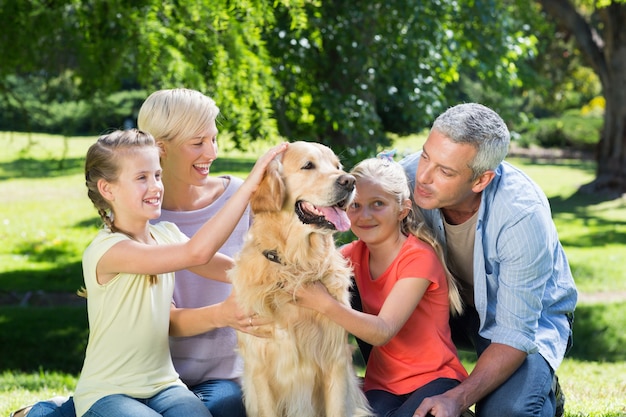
(523, 287)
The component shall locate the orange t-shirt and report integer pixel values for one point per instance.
(422, 350)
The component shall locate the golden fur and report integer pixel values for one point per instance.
(305, 368)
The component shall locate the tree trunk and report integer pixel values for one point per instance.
(611, 151)
(605, 51)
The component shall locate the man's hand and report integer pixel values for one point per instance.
(443, 405)
(496, 364)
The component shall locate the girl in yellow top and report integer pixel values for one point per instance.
(129, 277)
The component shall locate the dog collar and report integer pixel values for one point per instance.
(272, 255)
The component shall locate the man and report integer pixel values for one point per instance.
(502, 247)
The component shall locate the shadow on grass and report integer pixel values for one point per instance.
(599, 232)
(33, 338)
(94, 222)
(40, 168)
(599, 332)
(64, 277)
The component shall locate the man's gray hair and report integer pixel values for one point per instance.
(480, 127)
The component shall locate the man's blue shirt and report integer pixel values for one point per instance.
(523, 287)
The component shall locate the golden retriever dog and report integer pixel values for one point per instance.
(305, 368)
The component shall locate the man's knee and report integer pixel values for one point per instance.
(517, 407)
(528, 392)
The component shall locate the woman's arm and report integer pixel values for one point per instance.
(194, 321)
(216, 268)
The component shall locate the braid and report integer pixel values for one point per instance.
(106, 219)
(108, 222)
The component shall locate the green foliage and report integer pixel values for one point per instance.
(215, 47)
(103, 47)
(555, 77)
(341, 74)
(572, 131)
(54, 106)
(360, 70)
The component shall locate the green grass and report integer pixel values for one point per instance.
(593, 397)
(592, 230)
(46, 220)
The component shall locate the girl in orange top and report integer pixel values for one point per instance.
(406, 292)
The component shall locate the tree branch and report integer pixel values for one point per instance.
(589, 41)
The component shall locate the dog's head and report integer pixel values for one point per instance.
(307, 180)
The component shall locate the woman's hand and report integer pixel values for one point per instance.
(245, 321)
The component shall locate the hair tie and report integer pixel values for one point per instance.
(386, 155)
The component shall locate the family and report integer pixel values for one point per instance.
(455, 249)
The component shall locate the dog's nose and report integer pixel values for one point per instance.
(346, 181)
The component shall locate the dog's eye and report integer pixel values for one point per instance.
(308, 165)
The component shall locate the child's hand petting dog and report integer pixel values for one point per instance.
(313, 295)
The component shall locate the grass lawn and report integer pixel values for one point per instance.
(46, 220)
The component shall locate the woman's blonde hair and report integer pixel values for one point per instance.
(176, 114)
(392, 177)
(103, 163)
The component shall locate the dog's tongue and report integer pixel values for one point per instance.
(337, 217)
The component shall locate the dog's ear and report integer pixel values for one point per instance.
(270, 194)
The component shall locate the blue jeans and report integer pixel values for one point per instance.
(172, 402)
(222, 397)
(528, 392)
(386, 404)
(48, 409)
(175, 401)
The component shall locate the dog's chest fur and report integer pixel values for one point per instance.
(276, 265)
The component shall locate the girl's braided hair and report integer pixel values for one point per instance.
(103, 163)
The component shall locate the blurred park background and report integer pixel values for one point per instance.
(359, 76)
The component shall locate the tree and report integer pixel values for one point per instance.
(341, 73)
(598, 27)
(215, 47)
(361, 69)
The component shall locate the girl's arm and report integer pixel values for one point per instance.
(137, 258)
(373, 329)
